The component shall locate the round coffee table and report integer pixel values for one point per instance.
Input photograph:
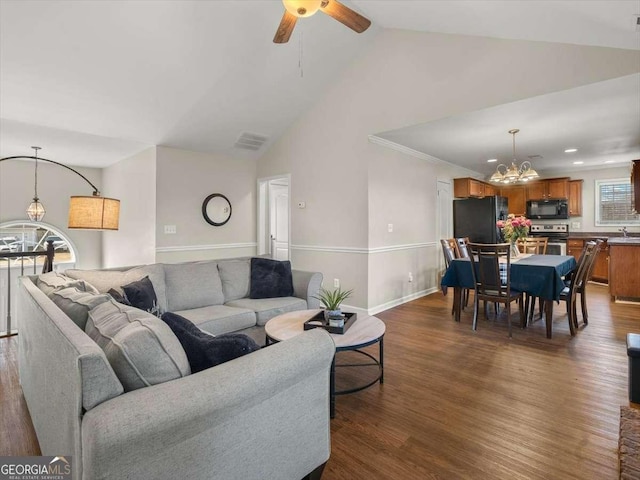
(365, 331)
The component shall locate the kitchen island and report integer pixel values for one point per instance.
(624, 268)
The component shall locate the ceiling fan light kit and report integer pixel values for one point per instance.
(295, 9)
(513, 174)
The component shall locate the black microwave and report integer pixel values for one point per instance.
(548, 209)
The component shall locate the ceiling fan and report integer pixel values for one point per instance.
(295, 9)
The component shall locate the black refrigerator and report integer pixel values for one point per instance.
(476, 218)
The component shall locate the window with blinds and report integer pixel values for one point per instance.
(614, 203)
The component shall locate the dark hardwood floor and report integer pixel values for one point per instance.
(460, 404)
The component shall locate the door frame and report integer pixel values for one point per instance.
(263, 212)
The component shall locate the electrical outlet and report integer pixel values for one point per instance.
(336, 283)
(170, 229)
(575, 224)
(390, 227)
(410, 277)
(302, 205)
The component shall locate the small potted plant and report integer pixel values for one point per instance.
(332, 301)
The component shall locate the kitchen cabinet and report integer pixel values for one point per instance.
(545, 189)
(468, 187)
(635, 183)
(489, 190)
(601, 267)
(574, 247)
(624, 267)
(517, 196)
(575, 198)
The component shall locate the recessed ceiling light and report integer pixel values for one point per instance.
(491, 160)
(608, 161)
(571, 150)
(579, 162)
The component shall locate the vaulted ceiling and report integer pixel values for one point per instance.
(94, 81)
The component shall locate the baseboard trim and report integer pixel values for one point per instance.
(193, 248)
(393, 303)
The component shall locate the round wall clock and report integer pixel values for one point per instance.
(216, 209)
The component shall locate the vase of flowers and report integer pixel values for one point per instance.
(513, 229)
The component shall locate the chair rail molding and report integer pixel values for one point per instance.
(362, 250)
(192, 248)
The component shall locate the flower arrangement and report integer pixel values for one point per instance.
(514, 228)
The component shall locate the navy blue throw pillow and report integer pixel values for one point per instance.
(204, 350)
(270, 278)
(140, 294)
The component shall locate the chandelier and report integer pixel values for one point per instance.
(513, 174)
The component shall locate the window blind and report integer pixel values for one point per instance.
(615, 203)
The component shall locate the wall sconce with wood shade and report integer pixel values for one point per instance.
(85, 212)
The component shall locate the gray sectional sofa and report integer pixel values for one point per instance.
(264, 415)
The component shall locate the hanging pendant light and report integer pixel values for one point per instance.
(512, 174)
(36, 210)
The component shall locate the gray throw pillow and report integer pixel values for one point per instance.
(235, 276)
(141, 348)
(76, 303)
(48, 282)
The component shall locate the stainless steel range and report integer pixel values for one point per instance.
(557, 234)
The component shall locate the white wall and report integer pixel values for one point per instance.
(133, 181)
(183, 180)
(55, 186)
(405, 78)
(589, 177)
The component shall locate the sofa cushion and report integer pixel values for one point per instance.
(217, 319)
(140, 294)
(205, 350)
(193, 285)
(105, 280)
(77, 303)
(270, 278)
(48, 282)
(235, 276)
(267, 308)
(140, 347)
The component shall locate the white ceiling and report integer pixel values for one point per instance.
(601, 120)
(195, 74)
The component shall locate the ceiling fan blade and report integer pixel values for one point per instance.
(345, 15)
(285, 29)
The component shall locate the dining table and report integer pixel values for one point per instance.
(539, 276)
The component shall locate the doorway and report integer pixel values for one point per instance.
(274, 213)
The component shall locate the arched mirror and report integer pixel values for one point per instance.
(216, 209)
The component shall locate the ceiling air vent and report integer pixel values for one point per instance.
(534, 157)
(251, 141)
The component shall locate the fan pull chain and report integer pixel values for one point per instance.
(301, 54)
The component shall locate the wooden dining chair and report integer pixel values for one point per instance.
(535, 246)
(578, 283)
(493, 283)
(461, 245)
(589, 262)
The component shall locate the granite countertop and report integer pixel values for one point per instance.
(602, 235)
(624, 241)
